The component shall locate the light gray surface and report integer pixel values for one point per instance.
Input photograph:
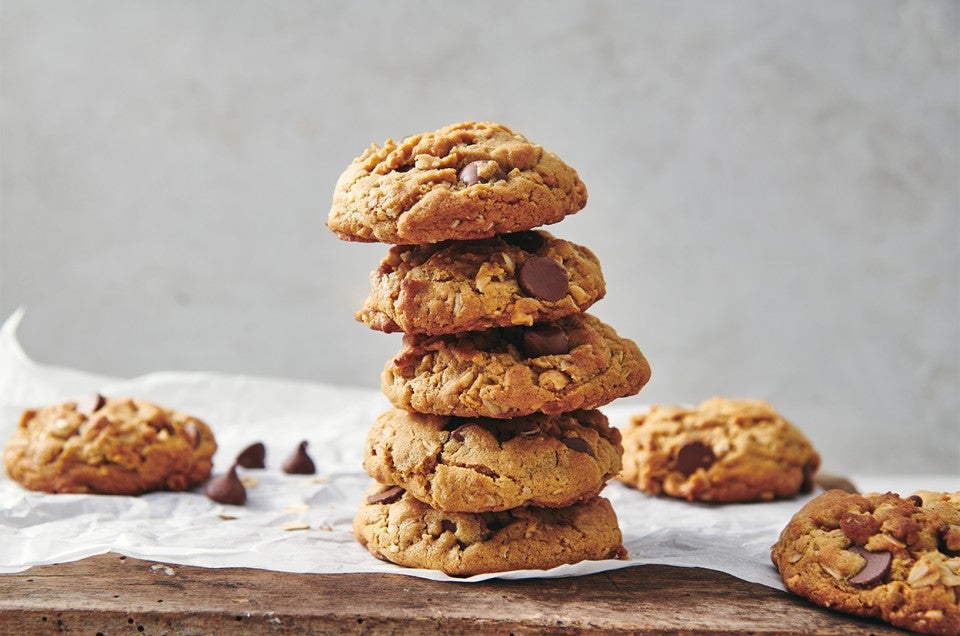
(773, 188)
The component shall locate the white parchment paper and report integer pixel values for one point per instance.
(296, 523)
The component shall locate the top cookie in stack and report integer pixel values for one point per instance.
(494, 447)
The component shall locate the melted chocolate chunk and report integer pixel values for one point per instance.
(388, 496)
(253, 456)
(91, 403)
(545, 340)
(528, 241)
(227, 488)
(916, 499)
(448, 526)
(693, 455)
(876, 569)
(299, 463)
(544, 278)
(470, 173)
(577, 444)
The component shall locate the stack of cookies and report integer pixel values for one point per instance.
(494, 454)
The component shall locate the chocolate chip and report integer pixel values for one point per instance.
(299, 463)
(458, 433)
(448, 526)
(545, 340)
(388, 496)
(528, 241)
(544, 278)
(253, 456)
(191, 432)
(491, 526)
(693, 455)
(91, 403)
(470, 173)
(916, 499)
(948, 540)
(227, 488)
(577, 444)
(809, 471)
(876, 569)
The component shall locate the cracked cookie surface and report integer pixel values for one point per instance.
(878, 555)
(483, 465)
(451, 287)
(577, 363)
(111, 446)
(723, 450)
(465, 181)
(396, 527)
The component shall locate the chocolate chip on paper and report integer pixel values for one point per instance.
(253, 456)
(299, 463)
(227, 488)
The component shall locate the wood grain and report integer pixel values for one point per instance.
(110, 594)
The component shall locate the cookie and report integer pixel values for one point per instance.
(466, 181)
(395, 526)
(109, 446)
(483, 465)
(882, 556)
(576, 363)
(723, 450)
(513, 279)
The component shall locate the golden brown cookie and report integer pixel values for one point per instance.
(465, 181)
(109, 446)
(482, 465)
(882, 556)
(576, 363)
(396, 527)
(723, 450)
(512, 279)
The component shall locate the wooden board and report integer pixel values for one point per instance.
(111, 594)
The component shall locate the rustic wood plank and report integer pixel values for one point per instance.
(109, 594)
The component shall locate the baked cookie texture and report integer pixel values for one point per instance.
(395, 526)
(483, 465)
(466, 181)
(723, 450)
(878, 555)
(492, 373)
(451, 287)
(117, 447)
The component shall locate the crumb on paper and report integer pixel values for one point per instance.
(295, 525)
(319, 479)
(249, 482)
(297, 507)
(227, 517)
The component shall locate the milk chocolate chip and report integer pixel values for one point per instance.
(876, 569)
(227, 488)
(544, 278)
(528, 241)
(545, 340)
(253, 456)
(693, 455)
(472, 173)
(387, 496)
(299, 463)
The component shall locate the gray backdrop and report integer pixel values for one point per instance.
(773, 188)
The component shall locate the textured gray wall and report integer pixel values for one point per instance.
(773, 188)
